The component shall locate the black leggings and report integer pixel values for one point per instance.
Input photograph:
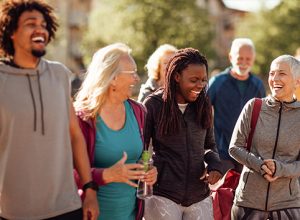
(243, 213)
(74, 215)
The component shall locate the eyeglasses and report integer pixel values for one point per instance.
(132, 73)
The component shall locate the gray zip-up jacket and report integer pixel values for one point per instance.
(276, 136)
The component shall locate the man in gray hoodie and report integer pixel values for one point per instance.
(40, 138)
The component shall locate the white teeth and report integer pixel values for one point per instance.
(38, 39)
(195, 92)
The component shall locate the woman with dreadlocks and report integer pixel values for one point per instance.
(179, 122)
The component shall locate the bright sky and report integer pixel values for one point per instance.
(251, 5)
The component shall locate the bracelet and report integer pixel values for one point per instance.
(90, 185)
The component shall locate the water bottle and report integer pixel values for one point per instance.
(145, 191)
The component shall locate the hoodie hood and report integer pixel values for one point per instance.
(37, 100)
(41, 68)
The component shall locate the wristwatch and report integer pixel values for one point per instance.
(90, 185)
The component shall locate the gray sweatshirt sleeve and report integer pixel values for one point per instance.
(237, 147)
(285, 169)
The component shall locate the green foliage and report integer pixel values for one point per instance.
(146, 24)
(274, 33)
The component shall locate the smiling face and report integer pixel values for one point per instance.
(242, 60)
(281, 81)
(190, 83)
(127, 78)
(31, 36)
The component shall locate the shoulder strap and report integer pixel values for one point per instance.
(254, 118)
(139, 112)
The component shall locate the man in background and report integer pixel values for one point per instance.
(229, 91)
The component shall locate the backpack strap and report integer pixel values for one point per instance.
(254, 118)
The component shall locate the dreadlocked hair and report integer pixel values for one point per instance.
(10, 13)
(169, 119)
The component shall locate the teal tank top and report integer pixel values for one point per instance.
(117, 201)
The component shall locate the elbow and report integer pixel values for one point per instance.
(231, 151)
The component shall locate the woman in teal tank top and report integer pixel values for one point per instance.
(113, 131)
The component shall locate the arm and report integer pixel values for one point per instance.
(211, 155)
(237, 148)
(97, 175)
(285, 169)
(275, 169)
(151, 176)
(81, 163)
(89, 136)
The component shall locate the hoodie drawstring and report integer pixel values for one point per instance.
(42, 104)
(34, 103)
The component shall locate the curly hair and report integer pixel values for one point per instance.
(169, 119)
(10, 13)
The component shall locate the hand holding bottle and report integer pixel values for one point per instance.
(151, 176)
(144, 189)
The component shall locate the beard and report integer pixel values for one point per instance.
(241, 73)
(38, 53)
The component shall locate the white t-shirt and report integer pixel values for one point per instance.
(182, 107)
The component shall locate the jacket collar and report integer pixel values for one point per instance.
(272, 102)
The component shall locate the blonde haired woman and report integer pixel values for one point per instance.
(112, 125)
(156, 66)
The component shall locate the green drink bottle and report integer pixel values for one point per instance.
(144, 190)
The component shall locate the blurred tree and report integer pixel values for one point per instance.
(146, 24)
(274, 33)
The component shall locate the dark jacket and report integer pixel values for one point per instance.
(228, 102)
(180, 157)
(146, 89)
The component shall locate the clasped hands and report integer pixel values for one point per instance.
(269, 168)
(127, 173)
